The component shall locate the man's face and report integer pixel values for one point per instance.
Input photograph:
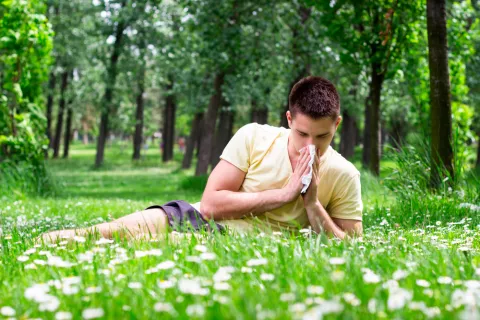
(306, 130)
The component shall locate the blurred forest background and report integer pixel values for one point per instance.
(159, 74)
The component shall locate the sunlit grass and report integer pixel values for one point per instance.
(416, 260)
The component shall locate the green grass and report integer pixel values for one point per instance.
(392, 272)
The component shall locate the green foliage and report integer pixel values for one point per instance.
(410, 183)
(23, 178)
(25, 45)
(25, 145)
(463, 30)
(411, 176)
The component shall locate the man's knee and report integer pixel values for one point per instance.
(151, 220)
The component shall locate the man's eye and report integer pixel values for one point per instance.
(302, 135)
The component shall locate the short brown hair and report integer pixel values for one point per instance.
(315, 97)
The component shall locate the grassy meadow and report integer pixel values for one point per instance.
(418, 259)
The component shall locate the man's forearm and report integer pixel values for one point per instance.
(321, 221)
(234, 205)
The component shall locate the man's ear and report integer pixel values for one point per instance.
(337, 123)
(289, 118)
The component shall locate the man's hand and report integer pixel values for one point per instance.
(310, 198)
(295, 185)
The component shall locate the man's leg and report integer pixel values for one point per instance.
(151, 221)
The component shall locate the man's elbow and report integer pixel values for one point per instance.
(207, 209)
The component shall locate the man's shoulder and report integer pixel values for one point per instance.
(341, 167)
(261, 128)
(263, 133)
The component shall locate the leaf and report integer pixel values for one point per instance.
(17, 90)
(7, 3)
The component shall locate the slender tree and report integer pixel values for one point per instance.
(223, 22)
(348, 135)
(377, 37)
(258, 115)
(60, 115)
(168, 135)
(107, 101)
(440, 104)
(223, 132)
(191, 141)
(67, 138)
(206, 141)
(139, 113)
(50, 100)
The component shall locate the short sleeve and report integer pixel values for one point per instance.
(238, 149)
(347, 199)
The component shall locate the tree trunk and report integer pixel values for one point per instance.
(102, 138)
(374, 113)
(192, 139)
(258, 115)
(107, 105)
(169, 123)
(223, 134)
(440, 105)
(398, 134)
(372, 131)
(348, 135)
(138, 137)
(366, 134)
(67, 138)
(61, 111)
(209, 126)
(51, 93)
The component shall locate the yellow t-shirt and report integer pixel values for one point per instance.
(261, 152)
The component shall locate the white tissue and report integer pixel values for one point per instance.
(306, 179)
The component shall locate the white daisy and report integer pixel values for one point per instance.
(164, 307)
(371, 277)
(423, 283)
(196, 310)
(256, 262)
(337, 261)
(315, 289)
(221, 286)
(92, 313)
(444, 280)
(63, 315)
(134, 285)
(100, 242)
(7, 311)
(267, 277)
(166, 265)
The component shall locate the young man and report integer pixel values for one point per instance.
(258, 180)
